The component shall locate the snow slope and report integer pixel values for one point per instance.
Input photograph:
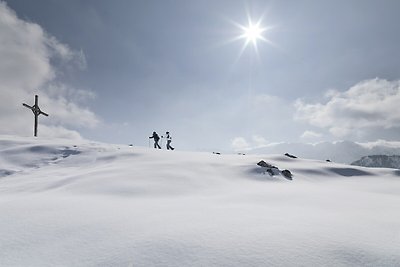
(69, 203)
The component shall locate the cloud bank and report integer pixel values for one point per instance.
(367, 106)
(30, 61)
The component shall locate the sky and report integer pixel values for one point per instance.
(116, 71)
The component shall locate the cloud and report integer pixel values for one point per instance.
(381, 143)
(31, 60)
(259, 141)
(370, 104)
(310, 135)
(240, 144)
(65, 53)
(58, 132)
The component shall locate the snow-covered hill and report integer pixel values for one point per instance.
(69, 203)
(379, 161)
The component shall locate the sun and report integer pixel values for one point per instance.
(252, 33)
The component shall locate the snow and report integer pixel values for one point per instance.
(82, 203)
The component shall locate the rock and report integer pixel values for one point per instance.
(266, 165)
(287, 174)
(269, 168)
(270, 172)
(273, 170)
(290, 156)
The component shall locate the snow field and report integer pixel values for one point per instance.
(68, 203)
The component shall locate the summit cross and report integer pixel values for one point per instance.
(36, 112)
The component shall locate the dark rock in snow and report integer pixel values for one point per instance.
(265, 164)
(290, 156)
(270, 172)
(273, 170)
(287, 174)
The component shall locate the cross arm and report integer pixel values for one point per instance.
(25, 105)
(41, 112)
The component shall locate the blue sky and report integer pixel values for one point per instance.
(332, 72)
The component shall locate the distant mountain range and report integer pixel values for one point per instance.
(340, 151)
(379, 161)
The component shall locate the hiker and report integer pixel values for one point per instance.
(169, 140)
(156, 139)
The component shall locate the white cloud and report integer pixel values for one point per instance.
(259, 141)
(65, 53)
(58, 132)
(240, 144)
(27, 68)
(381, 143)
(310, 135)
(367, 105)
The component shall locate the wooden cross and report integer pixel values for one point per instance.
(36, 111)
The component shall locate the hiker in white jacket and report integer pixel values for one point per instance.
(169, 140)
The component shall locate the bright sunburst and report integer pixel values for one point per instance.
(252, 33)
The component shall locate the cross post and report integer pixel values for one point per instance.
(36, 112)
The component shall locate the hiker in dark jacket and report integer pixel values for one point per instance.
(169, 140)
(156, 139)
